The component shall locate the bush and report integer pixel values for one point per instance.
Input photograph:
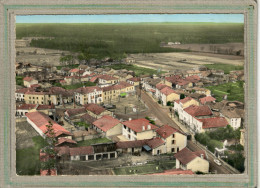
(182, 96)
(204, 139)
(169, 103)
(159, 102)
(236, 160)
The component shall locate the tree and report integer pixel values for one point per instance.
(182, 96)
(49, 161)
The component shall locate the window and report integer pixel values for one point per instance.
(29, 97)
(173, 150)
(37, 98)
(173, 136)
(124, 127)
(173, 141)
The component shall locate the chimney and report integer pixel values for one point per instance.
(202, 156)
(130, 119)
(143, 127)
(148, 127)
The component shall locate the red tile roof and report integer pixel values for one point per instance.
(63, 150)
(166, 131)
(185, 156)
(24, 90)
(86, 90)
(161, 86)
(45, 107)
(207, 99)
(28, 79)
(106, 123)
(74, 70)
(26, 106)
(131, 144)
(183, 82)
(63, 140)
(137, 125)
(134, 79)
(194, 110)
(167, 91)
(84, 150)
(88, 118)
(107, 77)
(125, 84)
(35, 86)
(94, 108)
(76, 111)
(186, 99)
(193, 78)
(155, 142)
(213, 122)
(41, 120)
(173, 79)
(36, 93)
(174, 172)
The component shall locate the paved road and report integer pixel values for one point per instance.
(157, 110)
(162, 115)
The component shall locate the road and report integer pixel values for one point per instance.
(162, 115)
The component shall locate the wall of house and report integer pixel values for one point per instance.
(36, 99)
(235, 122)
(177, 164)
(180, 142)
(189, 103)
(161, 149)
(115, 130)
(127, 131)
(198, 164)
(146, 135)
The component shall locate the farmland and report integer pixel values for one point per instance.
(117, 40)
(234, 91)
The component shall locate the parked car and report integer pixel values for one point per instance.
(217, 162)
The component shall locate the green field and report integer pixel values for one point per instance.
(117, 40)
(28, 159)
(75, 86)
(93, 141)
(149, 168)
(19, 80)
(82, 124)
(225, 67)
(69, 66)
(234, 91)
(138, 70)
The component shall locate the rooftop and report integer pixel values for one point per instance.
(106, 123)
(139, 125)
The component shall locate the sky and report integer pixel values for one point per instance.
(131, 18)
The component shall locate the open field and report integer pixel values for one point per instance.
(228, 48)
(234, 91)
(93, 141)
(116, 40)
(227, 68)
(182, 61)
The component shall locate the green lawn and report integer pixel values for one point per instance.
(225, 67)
(138, 70)
(78, 85)
(27, 159)
(234, 91)
(149, 168)
(82, 124)
(93, 141)
(19, 80)
(69, 66)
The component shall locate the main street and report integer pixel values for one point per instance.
(162, 114)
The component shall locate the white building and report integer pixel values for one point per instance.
(86, 95)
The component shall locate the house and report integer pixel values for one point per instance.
(23, 109)
(207, 99)
(194, 161)
(149, 84)
(209, 124)
(172, 80)
(74, 112)
(134, 81)
(138, 129)
(168, 95)
(74, 72)
(33, 97)
(233, 112)
(96, 111)
(39, 122)
(193, 112)
(108, 126)
(155, 146)
(174, 139)
(65, 142)
(87, 153)
(86, 95)
(19, 93)
(49, 110)
(28, 81)
(107, 80)
(87, 118)
(193, 79)
(179, 105)
(158, 89)
(183, 84)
